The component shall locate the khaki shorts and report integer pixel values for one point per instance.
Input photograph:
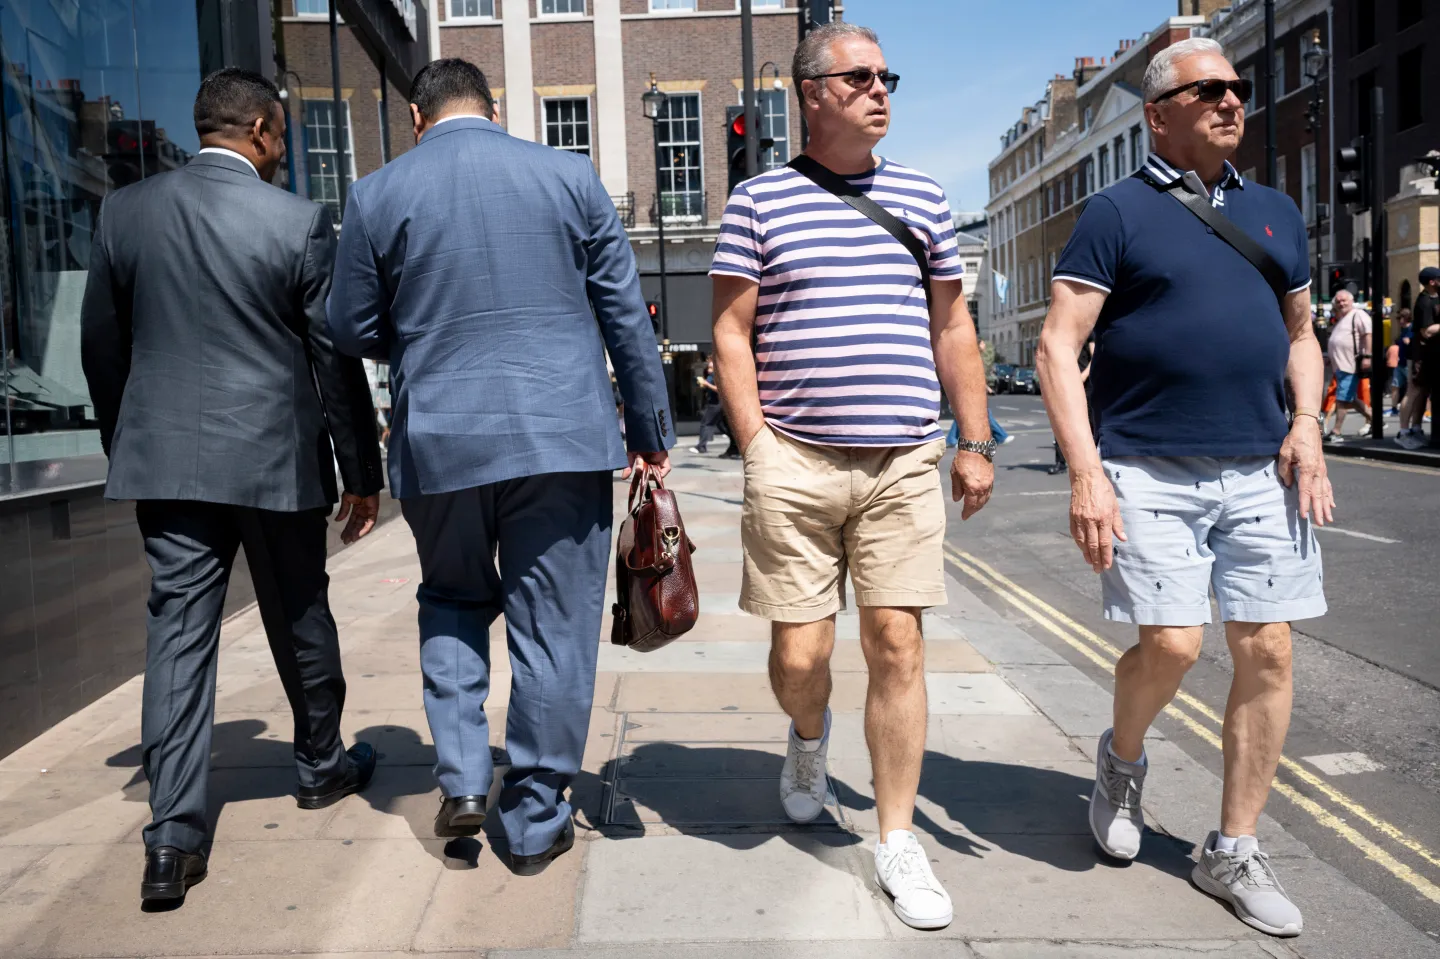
(812, 511)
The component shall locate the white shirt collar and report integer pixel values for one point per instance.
(460, 116)
(231, 153)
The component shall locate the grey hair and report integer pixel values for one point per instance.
(1161, 74)
(812, 56)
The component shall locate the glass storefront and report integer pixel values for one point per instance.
(97, 95)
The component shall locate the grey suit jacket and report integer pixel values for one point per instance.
(205, 346)
(494, 275)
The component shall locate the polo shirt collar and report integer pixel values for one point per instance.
(1165, 173)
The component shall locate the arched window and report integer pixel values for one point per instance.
(1405, 295)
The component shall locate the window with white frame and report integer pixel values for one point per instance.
(658, 6)
(762, 4)
(1119, 157)
(1104, 163)
(1136, 145)
(1308, 185)
(1249, 74)
(472, 9)
(323, 159)
(549, 8)
(1279, 73)
(1280, 174)
(567, 124)
(682, 173)
(312, 8)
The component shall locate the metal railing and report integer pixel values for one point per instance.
(679, 208)
(625, 206)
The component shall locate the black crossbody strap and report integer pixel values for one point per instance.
(1191, 192)
(835, 184)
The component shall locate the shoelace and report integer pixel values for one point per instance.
(1252, 868)
(1123, 789)
(914, 867)
(807, 769)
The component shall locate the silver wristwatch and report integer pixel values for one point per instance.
(985, 449)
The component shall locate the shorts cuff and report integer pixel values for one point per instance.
(792, 614)
(900, 599)
(1285, 612)
(1159, 615)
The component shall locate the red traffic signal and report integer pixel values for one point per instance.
(737, 125)
(653, 307)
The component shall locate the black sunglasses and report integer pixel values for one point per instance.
(862, 79)
(1213, 91)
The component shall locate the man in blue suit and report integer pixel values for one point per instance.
(493, 275)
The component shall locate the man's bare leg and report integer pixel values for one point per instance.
(895, 709)
(1257, 717)
(800, 672)
(1146, 679)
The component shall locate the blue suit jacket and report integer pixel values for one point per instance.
(493, 274)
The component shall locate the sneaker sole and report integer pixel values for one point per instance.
(909, 920)
(1206, 884)
(818, 813)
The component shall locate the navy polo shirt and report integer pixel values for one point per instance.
(1191, 345)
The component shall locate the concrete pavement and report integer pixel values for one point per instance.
(684, 850)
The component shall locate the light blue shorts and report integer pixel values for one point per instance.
(1197, 522)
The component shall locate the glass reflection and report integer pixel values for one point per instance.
(97, 95)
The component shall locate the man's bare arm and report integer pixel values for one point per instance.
(734, 320)
(962, 374)
(1302, 458)
(1094, 513)
(1074, 311)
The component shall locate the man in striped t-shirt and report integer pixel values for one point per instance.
(836, 409)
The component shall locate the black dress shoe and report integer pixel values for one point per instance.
(535, 865)
(460, 816)
(169, 872)
(356, 778)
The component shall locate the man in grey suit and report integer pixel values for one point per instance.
(493, 274)
(219, 394)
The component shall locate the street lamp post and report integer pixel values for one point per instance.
(653, 102)
(1316, 61)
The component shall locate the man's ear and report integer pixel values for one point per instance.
(416, 121)
(257, 133)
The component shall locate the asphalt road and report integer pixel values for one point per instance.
(1367, 674)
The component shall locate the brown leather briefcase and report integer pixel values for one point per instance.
(656, 598)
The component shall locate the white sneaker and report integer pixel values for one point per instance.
(903, 871)
(696, 449)
(803, 786)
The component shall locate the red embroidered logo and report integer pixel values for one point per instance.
(1268, 231)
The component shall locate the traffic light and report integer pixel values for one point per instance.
(1352, 175)
(1338, 277)
(735, 144)
(653, 309)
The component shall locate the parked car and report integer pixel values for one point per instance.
(1003, 377)
(1025, 381)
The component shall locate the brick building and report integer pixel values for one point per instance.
(570, 73)
(1392, 45)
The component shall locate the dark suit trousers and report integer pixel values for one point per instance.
(552, 536)
(191, 550)
(711, 419)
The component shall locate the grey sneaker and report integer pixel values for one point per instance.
(1244, 879)
(1116, 818)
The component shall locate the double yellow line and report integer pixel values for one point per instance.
(1096, 649)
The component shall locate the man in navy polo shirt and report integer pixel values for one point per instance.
(1199, 474)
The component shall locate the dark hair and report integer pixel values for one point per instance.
(231, 100)
(452, 81)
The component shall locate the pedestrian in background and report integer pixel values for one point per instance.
(504, 439)
(220, 397)
(837, 412)
(1396, 360)
(1349, 350)
(1199, 481)
(997, 432)
(1425, 371)
(712, 414)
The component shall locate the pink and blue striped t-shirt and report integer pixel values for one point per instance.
(842, 329)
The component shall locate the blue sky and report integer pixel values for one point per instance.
(968, 67)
